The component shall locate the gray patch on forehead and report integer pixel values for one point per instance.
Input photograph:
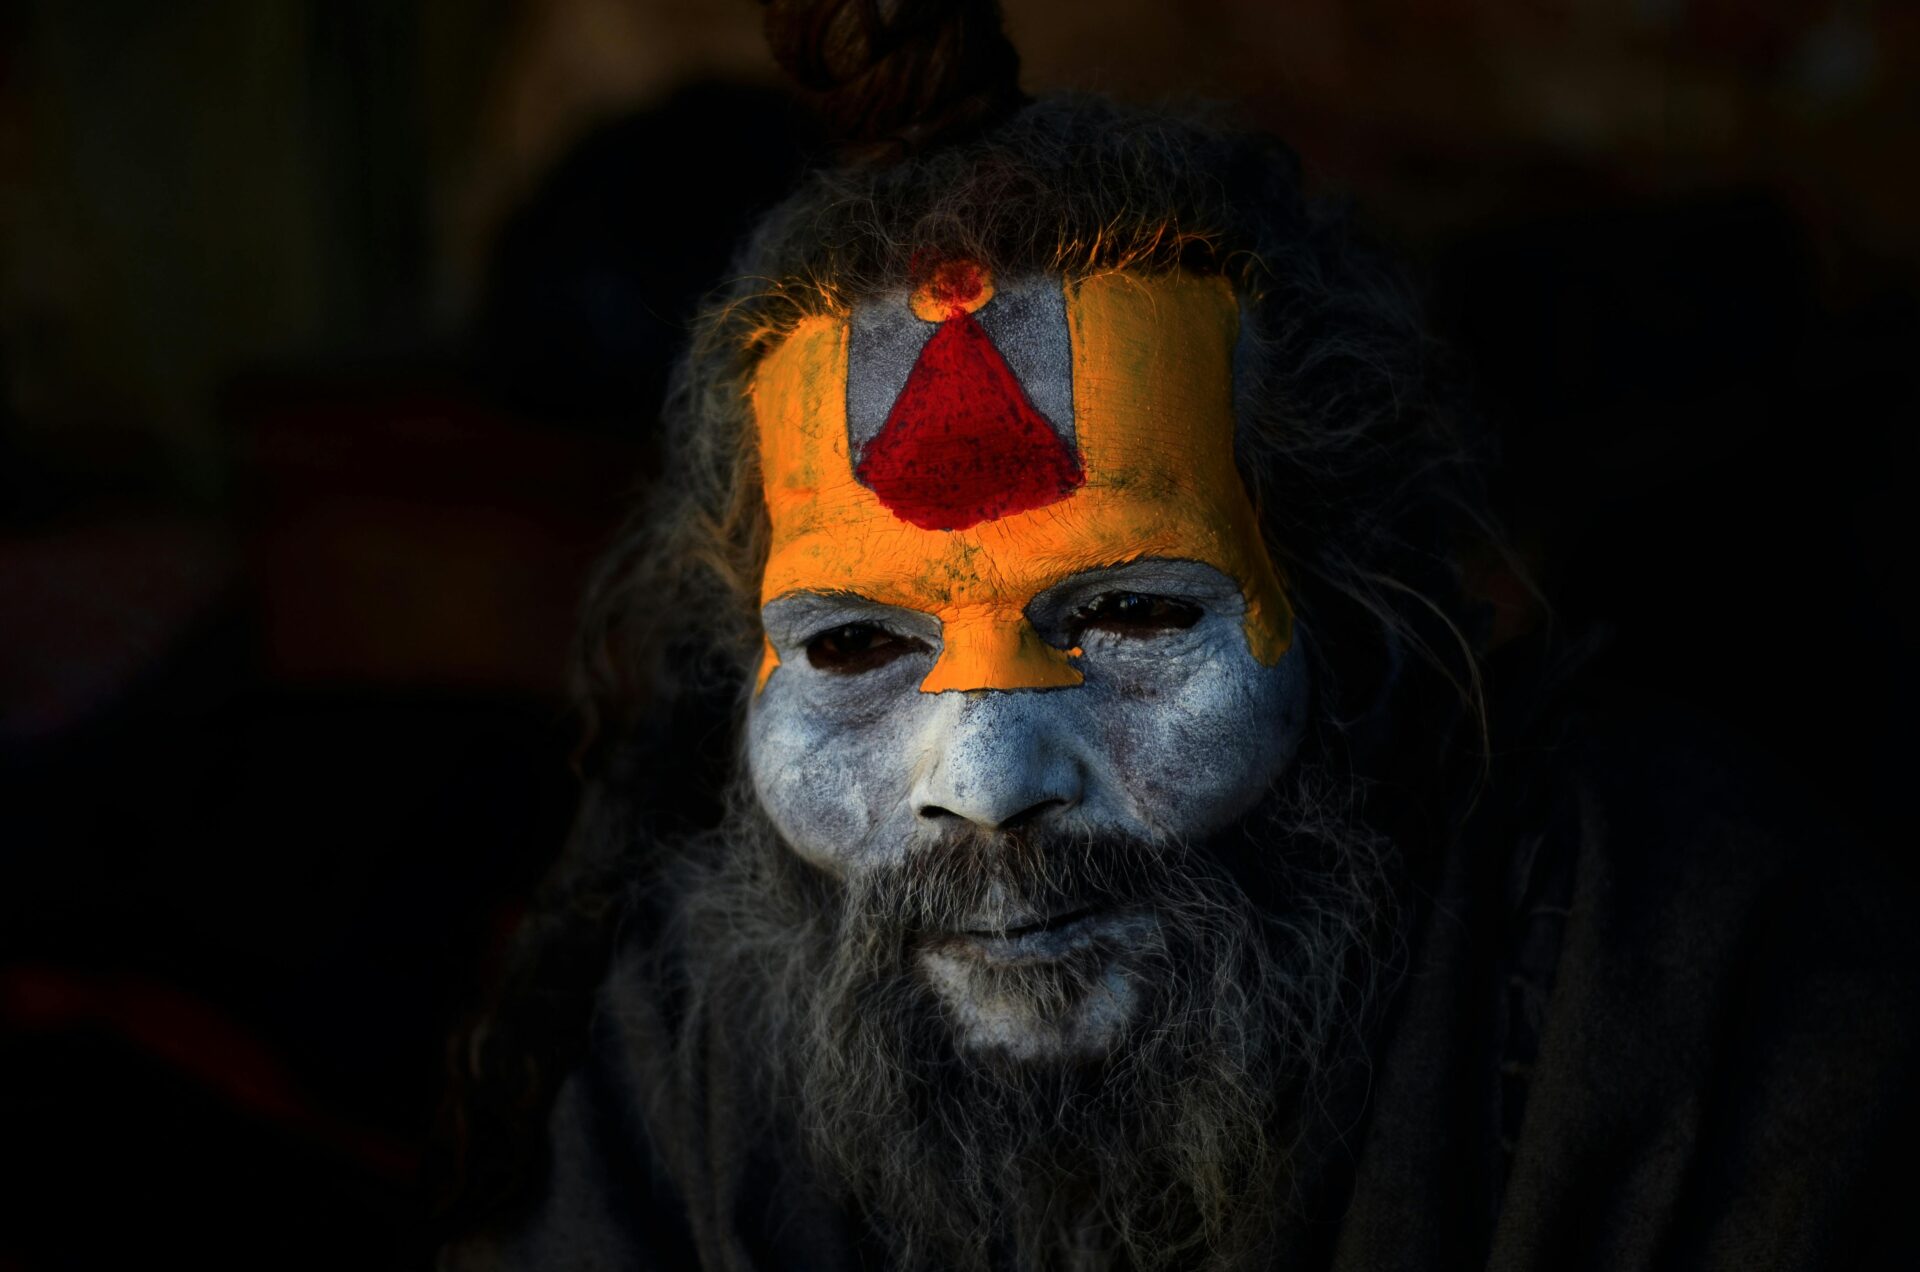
(883, 342)
(1026, 320)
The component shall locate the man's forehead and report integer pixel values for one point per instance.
(969, 404)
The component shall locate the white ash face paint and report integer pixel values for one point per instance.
(1173, 734)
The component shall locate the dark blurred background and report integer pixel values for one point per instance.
(330, 332)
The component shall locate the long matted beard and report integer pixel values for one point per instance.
(1181, 1145)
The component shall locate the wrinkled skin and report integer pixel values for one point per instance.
(1176, 731)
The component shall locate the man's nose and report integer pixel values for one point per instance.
(998, 759)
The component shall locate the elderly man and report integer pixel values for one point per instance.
(1041, 806)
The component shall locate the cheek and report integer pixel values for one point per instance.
(1194, 751)
(828, 784)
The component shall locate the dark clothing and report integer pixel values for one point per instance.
(1649, 1020)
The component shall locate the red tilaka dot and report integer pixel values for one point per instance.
(955, 283)
(963, 444)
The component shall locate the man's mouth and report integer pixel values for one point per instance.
(1040, 939)
(1051, 923)
(1003, 977)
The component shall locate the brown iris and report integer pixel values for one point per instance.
(859, 647)
(1134, 614)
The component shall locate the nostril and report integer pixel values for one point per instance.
(1030, 814)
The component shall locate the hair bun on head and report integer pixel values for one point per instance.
(891, 77)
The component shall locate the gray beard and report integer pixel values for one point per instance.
(1185, 1145)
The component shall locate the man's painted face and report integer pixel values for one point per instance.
(1015, 588)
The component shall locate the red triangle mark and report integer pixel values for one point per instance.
(962, 444)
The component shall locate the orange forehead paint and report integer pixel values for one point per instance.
(1010, 458)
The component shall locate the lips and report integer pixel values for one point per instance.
(1052, 923)
(1041, 940)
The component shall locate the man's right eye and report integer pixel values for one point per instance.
(859, 647)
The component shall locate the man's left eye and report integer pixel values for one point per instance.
(858, 647)
(1135, 614)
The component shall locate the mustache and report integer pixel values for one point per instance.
(962, 876)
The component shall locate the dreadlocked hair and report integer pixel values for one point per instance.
(1367, 480)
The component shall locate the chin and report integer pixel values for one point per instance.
(1064, 990)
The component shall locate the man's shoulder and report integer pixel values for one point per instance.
(604, 1197)
(1696, 855)
(1730, 1029)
